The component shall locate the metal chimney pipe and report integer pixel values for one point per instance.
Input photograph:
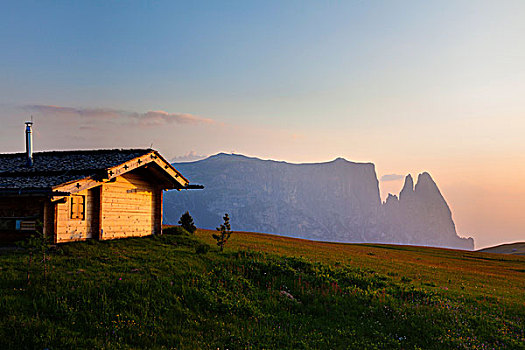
(29, 145)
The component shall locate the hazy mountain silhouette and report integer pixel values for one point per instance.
(336, 201)
(517, 248)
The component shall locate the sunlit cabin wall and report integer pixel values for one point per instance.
(129, 207)
(69, 228)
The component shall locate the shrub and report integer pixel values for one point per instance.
(202, 248)
(37, 246)
(175, 230)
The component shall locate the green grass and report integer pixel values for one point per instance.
(263, 292)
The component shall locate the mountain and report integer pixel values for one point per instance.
(517, 248)
(420, 216)
(333, 201)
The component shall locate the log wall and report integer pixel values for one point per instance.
(19, 208)
(69, 229)
(129, 207)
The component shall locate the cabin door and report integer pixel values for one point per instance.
(94, 213)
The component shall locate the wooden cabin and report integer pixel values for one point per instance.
(80, 195)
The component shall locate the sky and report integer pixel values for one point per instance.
(411, 86)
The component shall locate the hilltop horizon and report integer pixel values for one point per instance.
(241, 155)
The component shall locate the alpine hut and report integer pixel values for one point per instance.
(86, 194)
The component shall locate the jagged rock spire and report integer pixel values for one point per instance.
(408, 188)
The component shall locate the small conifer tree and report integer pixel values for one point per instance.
(225, 232)
(186, 221)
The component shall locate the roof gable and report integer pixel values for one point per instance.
(56, 170)
(84, 160)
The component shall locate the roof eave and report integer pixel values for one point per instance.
(31, 192)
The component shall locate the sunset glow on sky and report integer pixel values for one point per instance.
(411, 86)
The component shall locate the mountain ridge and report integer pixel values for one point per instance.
(338, 200)
(224, 155)
(516, 248)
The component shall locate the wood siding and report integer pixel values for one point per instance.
(19, 208)
(129, 207)
(49, 220)
(69, 229)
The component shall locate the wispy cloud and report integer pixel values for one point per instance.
(162, 117)
(188, 157)
(392, 177)
(150, 118)
(50, 110)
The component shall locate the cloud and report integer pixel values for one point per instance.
(150, 118)
(188, 157)
(392, 177)
(48, 110)
(162, 117)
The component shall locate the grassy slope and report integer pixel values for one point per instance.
(485, 275)
(157, 292)
(511, 248)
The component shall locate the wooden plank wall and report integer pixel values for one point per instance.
(129, 207)
(49, 220)
(20, 207)
(158, 211)
(69, 229)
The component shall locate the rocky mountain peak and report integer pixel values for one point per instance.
(391, 198)
(425, 183)
(408, 188)
(337, 200)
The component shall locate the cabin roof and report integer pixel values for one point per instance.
(51, 169)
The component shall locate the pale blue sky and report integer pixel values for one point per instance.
(412, 86)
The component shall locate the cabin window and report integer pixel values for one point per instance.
(78, 207)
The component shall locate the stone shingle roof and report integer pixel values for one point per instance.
(54, 168)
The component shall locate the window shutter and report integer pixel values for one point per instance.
(74, 206)
(78, 207)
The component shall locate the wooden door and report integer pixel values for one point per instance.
(94, 213)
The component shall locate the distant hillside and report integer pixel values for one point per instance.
(511, 248)
(334, 201)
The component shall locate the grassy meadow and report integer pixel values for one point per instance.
(177, 291)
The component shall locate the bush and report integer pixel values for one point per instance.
(175, 230)
(202, 248)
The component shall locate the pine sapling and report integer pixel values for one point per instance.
(225, 232)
